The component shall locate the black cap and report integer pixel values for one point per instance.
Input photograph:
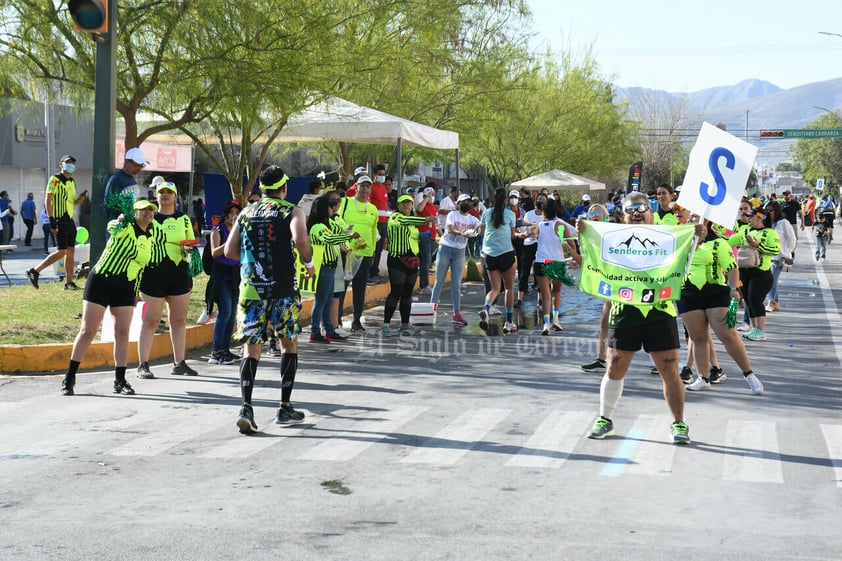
(66, 158)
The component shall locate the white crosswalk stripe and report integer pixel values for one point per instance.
(833, 440)
(450, 444)
(360, 435)
(654, 455)
(553, 440)
(755, 455)
(176, 427)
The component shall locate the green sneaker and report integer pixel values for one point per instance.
(385, 331)
(288, 416)
(602, 427)
(680, 433)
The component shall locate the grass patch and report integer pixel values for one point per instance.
(53, 315)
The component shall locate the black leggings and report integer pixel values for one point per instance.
(756, 285)
(402, 281)
(524, 266)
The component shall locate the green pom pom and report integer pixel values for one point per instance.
(557, 270)
(731, 316)
(124, 202)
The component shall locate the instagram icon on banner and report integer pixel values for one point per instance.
(626, 294)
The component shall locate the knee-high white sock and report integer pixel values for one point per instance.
(609, 395)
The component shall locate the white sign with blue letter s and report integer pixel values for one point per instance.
(720, 164)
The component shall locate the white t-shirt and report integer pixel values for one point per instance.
(447, 203)
(460, 223)
(533, 218)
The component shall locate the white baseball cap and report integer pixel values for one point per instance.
(463, 197)
(359, 171)
(514, 193)
(136, 155)
(586, 197)
(429, 191)
(363, 179)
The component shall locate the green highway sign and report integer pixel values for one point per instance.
(802, 133)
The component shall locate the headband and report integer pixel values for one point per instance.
(281, 182)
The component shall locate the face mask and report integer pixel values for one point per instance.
(513, 201)
(380, 179)
(464, 207)
(69, 168)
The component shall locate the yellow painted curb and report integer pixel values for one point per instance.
(53, 358)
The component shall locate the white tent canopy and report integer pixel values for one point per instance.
(557, 180)
(342, 121)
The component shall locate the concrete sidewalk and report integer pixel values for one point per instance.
(23, 258)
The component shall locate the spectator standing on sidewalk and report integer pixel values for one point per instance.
(379, 198)
(49, 236)
(123, 180)
(112, 285)
(428, 233)
(362, 216)
(167, 280)
(224, 286)
(61, 201)
(28, 213)
(460, 226)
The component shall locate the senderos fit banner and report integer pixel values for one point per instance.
(640, 264)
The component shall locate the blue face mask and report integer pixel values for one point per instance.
(69, 168)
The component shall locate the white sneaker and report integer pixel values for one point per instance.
(494, 311)
(546, 329)
(426, 290)
(744, 327)
(698, 384)
(509, 327)
(341, 331)
(755, 384)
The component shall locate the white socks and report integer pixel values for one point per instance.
(609, 395)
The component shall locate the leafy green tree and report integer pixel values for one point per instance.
(822, 157)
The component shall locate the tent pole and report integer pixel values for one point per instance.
(400, 165)
(457, 171)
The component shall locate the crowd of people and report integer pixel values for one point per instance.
(521, 237)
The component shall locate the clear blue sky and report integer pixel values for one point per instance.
(689, 46)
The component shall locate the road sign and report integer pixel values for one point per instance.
(802, 133)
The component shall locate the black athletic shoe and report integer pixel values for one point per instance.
(71, 286)
(717, 376)
(67, 386)
(123, 387)
(288, 416)
(686, 375)
(245, 422)
(33, 275)
(181, 369)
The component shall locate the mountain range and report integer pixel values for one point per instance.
(769, 107)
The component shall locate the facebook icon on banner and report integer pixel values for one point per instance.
(604, 288)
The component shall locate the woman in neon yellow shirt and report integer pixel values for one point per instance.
(167, 279)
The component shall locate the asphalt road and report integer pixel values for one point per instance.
(450, 445)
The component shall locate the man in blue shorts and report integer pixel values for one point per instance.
(629, 328)
(270, 304)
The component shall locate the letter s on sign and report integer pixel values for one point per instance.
(719, 194)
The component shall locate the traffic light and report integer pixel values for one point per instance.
(89, 16)
(771, 134)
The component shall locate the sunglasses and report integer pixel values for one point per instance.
(638, 207)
